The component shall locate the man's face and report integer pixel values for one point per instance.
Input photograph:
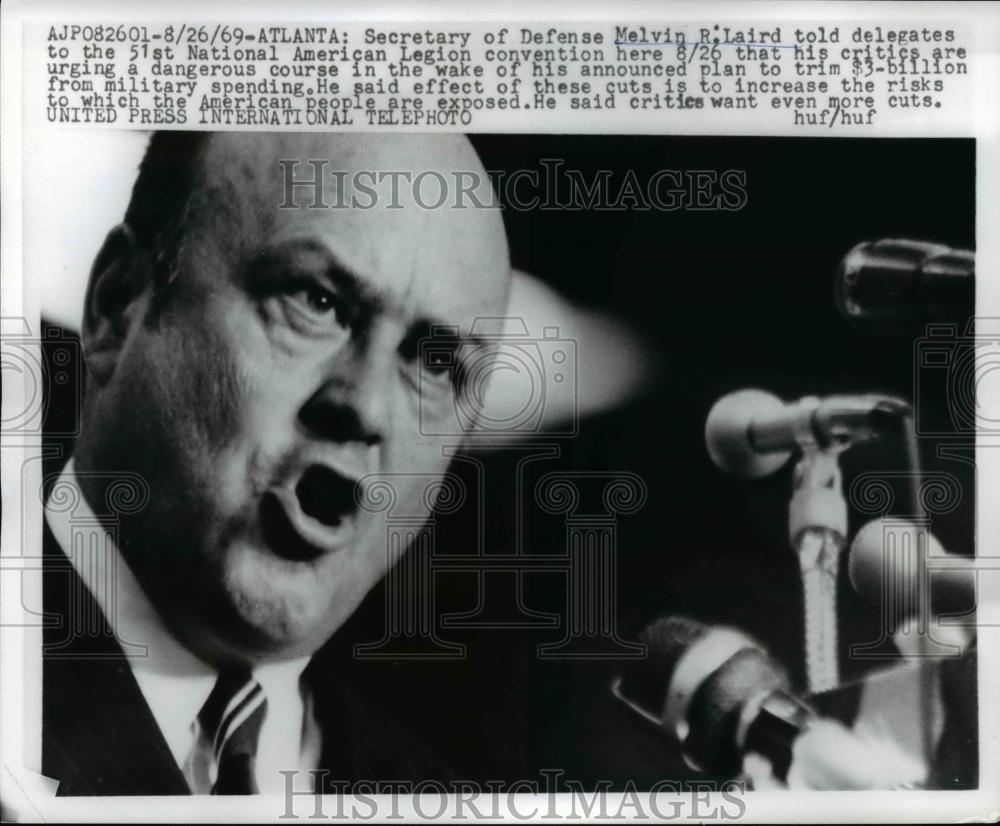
(284, 366)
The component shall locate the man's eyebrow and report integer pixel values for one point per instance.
(343, 275)
(437, 330)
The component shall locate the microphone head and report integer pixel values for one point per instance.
(897, 285)
(727, 434)
(886, 562)
(694, 685)
(668, 637)
(645, 681)
(883, 559)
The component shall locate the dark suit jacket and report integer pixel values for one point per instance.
(100, 738)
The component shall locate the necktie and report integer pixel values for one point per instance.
(231, 718)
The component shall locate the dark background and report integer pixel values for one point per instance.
(726, 300)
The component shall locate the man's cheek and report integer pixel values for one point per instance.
(236, 390)
(258, 435)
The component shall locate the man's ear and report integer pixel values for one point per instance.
(120, 277)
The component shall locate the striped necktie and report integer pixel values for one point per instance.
(231, 719)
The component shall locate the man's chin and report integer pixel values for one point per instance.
(254, 632)
(272, 608)
(246, 604)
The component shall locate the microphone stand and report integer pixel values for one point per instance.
(926, 674)
(817, 526)
(818, 531)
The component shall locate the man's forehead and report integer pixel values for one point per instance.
(451, 259)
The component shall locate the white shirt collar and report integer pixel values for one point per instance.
(174, 682)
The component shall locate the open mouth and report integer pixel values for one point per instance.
(315, 518)
(326, 496)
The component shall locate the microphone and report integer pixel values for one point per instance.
(892, 285)
(716, 692)
(885, 567)
(752, 433)
(888, 564)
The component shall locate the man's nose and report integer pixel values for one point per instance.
(352, 404)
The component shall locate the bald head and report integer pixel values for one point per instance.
(235, 185)
(379, 195)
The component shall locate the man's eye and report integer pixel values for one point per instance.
(440, 363)
(317, 299)
(436, 370)
(313, 306)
